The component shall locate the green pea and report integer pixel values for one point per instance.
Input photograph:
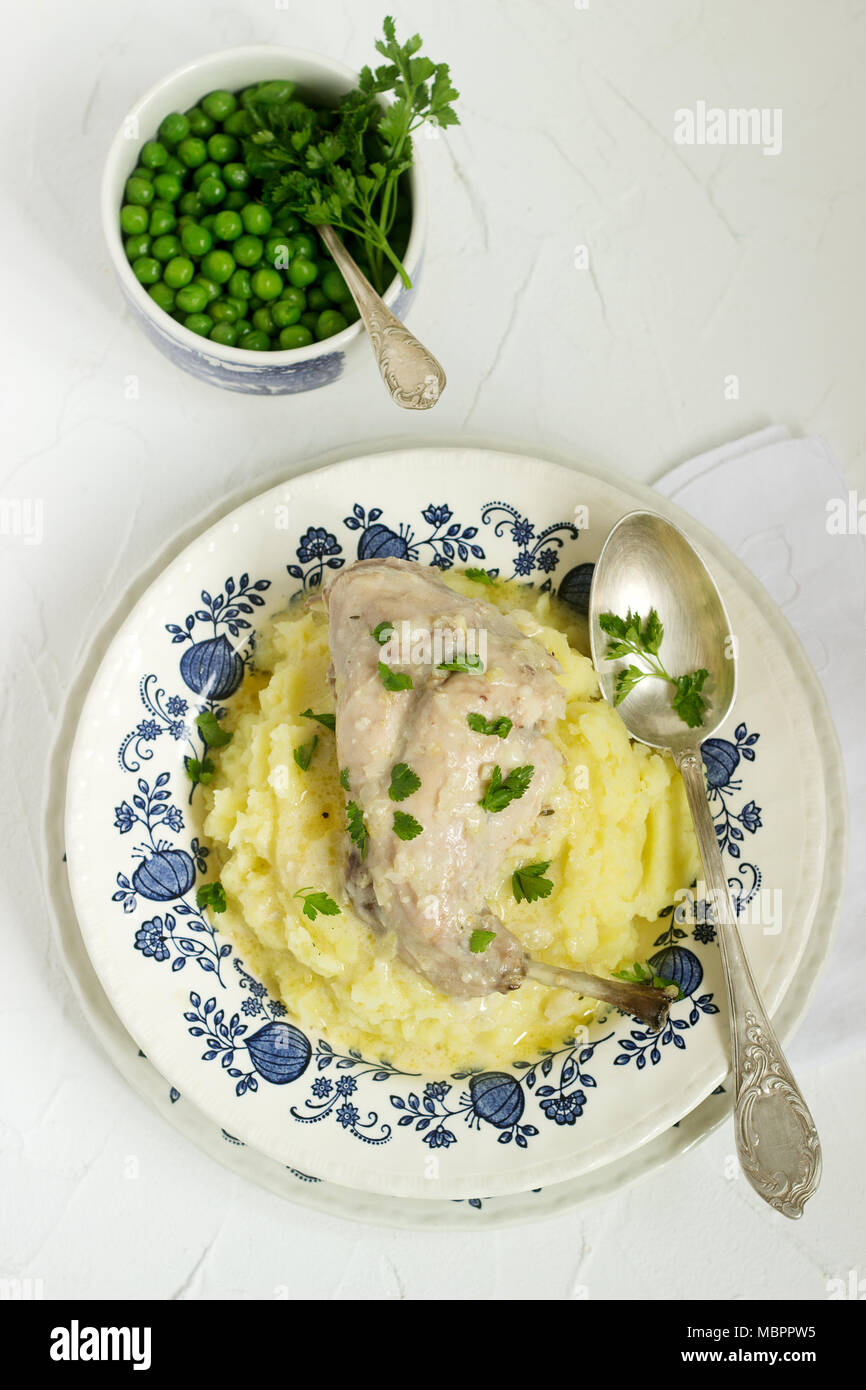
(238, 123)
(330, 321)
(239, 285)
(162, 295)
(199, 323)
(267, 284)
(295, 336)
(147, 270)
(219, 266)
(208, 170)
(142, 172)
(310, 320)
(278, 252)
(317, 299)
(303, 245)
(243, 326)
(208, 222)
(168, 186)
(200, 124)
(212, 289)
(219, 104)
(263, 321)
(284, 313)
(192, 298)
(227, 226)
(257, 219)
(211, 192)
(248, 250)
(223, 148)
(166, 247)
(173, 128)
(295, 296)
(302, 272)
(153, 154)
(192, 151)
(133, 219)
(191, 205)
(173, 165)
(162, 220)
(136, 246)
(236, 176)
(287, 222)
(196, 240)
(222, 311)
(255, 341)
(335, 286)
(178, 272)
(138, 191)
(235, 199)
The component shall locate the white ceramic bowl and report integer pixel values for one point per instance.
(259, 373)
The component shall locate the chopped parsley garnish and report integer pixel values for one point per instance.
(344, 778)
(394, 680)
(328, 721)
(631, 636)
(213, 735)
(480, 576)
(499, 728)
(528, 883)
(383, 632)
(480, 940)
(466, 664)
(503, 790)
(304, 752)
(403, 782)
(356, 827)
(405, 826)
(316, 901)
(645, 975)
(199, 771)
(211, 895)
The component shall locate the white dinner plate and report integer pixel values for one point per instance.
(133, 846)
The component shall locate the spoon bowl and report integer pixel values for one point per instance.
(647, 562)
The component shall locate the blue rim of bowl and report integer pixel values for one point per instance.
(232, 356)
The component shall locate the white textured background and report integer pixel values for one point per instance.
(704, 262)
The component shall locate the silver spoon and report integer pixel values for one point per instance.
(411, 373)
(645, 563)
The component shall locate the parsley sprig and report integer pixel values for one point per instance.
(406, 827)
(316, 902)
(631, 636)
(528, 882)
(499, 728)
(327, 721)
(503, 790)
(403, 782)
(480, 940)
(342, 166)
(394, 680)
(211, 895)
(645, 975)
(356, 827)
(304, 752)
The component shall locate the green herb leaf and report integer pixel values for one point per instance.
(626, 682)
(213, 735)
(328, 721)
(211, 895)
(304, 752)
(344, 778)
(316, 901)
(403, 782)
(528, 883)
(199, 771)
(383, 633)
(356, 827)
(394, 680)
(499, 728)
(405, 826)
(480, 940)
(689, 703)
(467, 664)
(480, 576)
(503, 790)
(644, 975)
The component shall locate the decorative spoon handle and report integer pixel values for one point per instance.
(777, 1142)
(411, 373)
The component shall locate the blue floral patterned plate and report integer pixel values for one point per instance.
(135, 848)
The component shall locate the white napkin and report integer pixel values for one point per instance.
(766, 496)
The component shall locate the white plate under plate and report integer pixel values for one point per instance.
(526, 1127)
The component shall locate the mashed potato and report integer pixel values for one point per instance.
(619, 841)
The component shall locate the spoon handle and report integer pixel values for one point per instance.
(776, 1138)
(411, 373)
